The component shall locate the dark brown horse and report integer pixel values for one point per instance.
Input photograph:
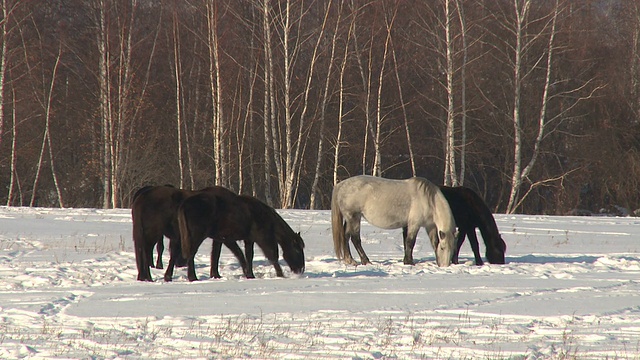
(471, 212)
(153, 211)
(227, 219)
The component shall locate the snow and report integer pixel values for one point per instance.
(571, 288)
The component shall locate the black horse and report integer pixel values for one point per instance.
(470, 212)
(227, 219)
(154, 214)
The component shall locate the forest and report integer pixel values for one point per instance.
(534, 104)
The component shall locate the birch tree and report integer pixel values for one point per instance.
(177, 77)
(450, 175)
(268, 111)
(323, 105)
(46, 102)
(218, 120)
(341, 94)
(522, 71)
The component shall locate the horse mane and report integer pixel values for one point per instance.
(428, 188)
(281, 229)
(487, 225)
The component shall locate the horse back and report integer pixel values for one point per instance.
(156, 208)
(469, 209)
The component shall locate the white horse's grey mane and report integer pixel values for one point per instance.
(429, 188)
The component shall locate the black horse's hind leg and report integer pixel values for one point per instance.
(142, 262)
(235, 249)
(168, 275)
(160, 249)
(216, 249)
(248, 253)
(459, 241)
(191, 269)
(473, 241)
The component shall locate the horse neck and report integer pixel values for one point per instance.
(487, 226)
(442, 217)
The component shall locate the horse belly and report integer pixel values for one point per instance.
(385, 219)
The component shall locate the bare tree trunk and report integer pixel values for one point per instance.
(14, 134)
(341, 90)
(219, 151)
(463, 93)
(123, 120)
(521, 13)
(177, 62)
(48, 122)
(4, 58)
(450, 176)
(377, 143)
(514, 201)
(105, 102)
(3, 61)
(323, 109)
(407, 130)
(46, 140)
(365, 77)
(269, 103)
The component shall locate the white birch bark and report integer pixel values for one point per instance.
(270, 153)
(46, 139)
(450, 177)
(341, 90)
(514, 199)
(105, 102)
(177, 77)
(323, 108)
(3, 61)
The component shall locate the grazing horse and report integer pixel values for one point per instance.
(390, 204)
(227, 219)
(160, 244)
(154, 214)
(471, 212)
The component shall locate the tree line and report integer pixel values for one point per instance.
(532, 103)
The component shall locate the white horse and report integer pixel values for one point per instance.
(391, 204)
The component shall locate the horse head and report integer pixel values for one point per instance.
(495, 253)
(445, 248)
(293, 252)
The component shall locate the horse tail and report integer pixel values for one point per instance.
(138, 241)
(183, 226)
(140, 192)
(337, 227)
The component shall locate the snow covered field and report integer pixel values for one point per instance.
(571, 289)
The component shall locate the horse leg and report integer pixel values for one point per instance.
(357, 243)
(235, 249)
(461, 235)
(269, 248)
(248, 253)
(216, 249)
(142, 262)
(352, 231)
(473, 240)
(191, 269)
(147, 259)
(160, 249)
(168, 274)
(409, 243)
